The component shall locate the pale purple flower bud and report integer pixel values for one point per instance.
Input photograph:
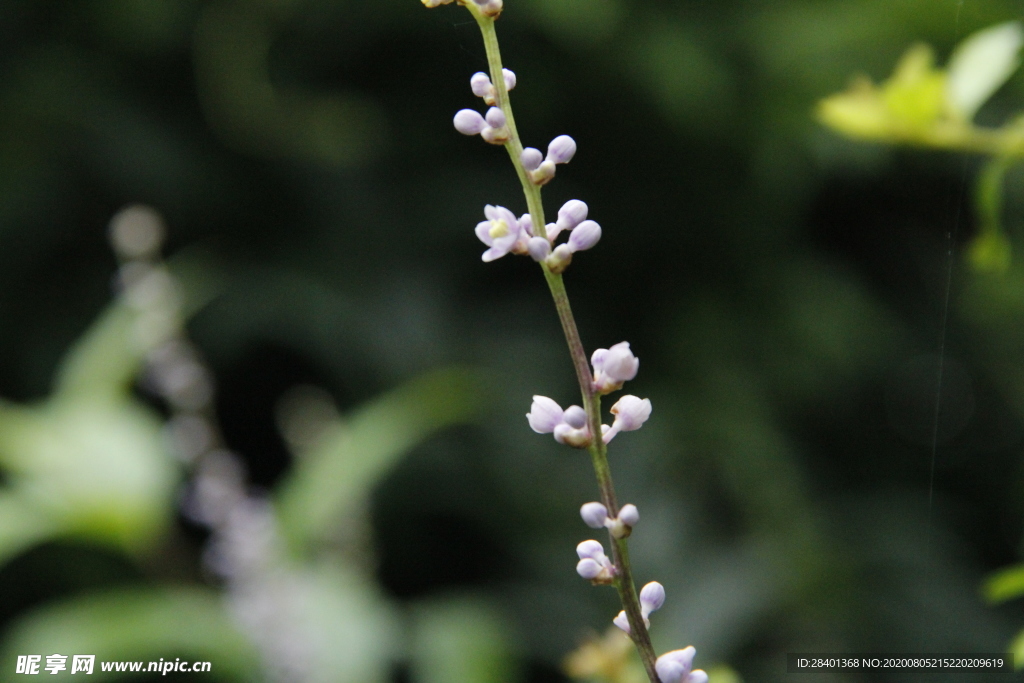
(495, 118)
(613, 366)
(629, 515)
(592, 549)
(539, 248)
(589, 568)
(561, 149)
(510, 78)
(594, 515)
(559, 259)
(489, 8)
(572, 213)
(697, 676)
(674, 666)
(652, 597)
(526, 224)
(500, 231)
(469, 122)
(622, 621)
(544, 415)
(531, 158)
(575, 417)
(584, 236)
(481, 84)
(630, 413)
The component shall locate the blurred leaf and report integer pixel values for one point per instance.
(1004, 585)
(858, 112)
(915, 94)
(21, 526)
(103, 362)
(92, 468)
(990, 251)
(330, 620)
(138, 625)
(1017, 650)
(461, 640)
(981, 64)
(336, 475)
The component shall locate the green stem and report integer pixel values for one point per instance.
(591, 400)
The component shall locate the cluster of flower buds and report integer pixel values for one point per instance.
(540, 169)
(503, 233)
(583, 234)
(595, 515)
(652, 597)
(611, 368)
(677, 667)
(594, 565)
(480, 84)
(569, 426)
(492, 126)
(489, 8)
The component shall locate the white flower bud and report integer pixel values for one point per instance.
(629, 515)
(652, 597)
(630, 414)
(575, 417)
(481, 85)
(613, 366)
(622, 621)
(495, 118)
(544, 415)
(539, 248)
(531, 158)
(572, 213)
(584, 236)
(592, 549)
(469, 122)
(589, 568)
(675, 667)
(561, 150)
(594, 515)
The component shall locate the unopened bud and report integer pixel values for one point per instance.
(469, 122)
(559, 259)
(539, 248)
(594, 515)
(584, 236)
(561, 150)
(531, 158)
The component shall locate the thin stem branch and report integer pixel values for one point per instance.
(591, 400)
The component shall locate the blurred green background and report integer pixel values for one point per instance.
(787, 290)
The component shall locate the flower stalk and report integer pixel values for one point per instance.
(578, 427)
(591, 401)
